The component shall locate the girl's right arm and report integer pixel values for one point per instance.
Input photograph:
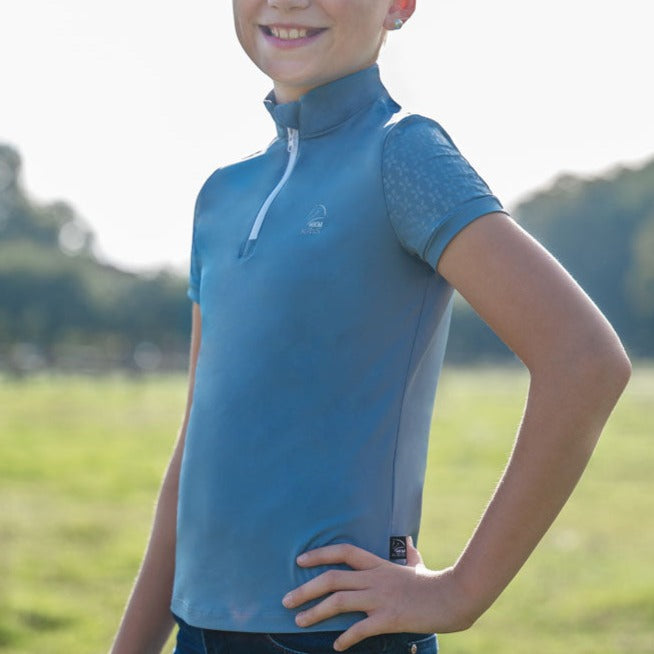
(147, 621)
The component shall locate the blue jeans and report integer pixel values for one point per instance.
(193, 640)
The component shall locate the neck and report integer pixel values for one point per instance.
(285, 92)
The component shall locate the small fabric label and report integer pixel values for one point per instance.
(398, 548)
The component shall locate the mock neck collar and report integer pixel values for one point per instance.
(325, 107)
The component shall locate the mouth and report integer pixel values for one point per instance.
(291, 33)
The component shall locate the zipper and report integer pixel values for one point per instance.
(292, 147)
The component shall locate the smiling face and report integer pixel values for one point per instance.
(301, 44)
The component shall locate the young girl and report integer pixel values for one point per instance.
(322, 276)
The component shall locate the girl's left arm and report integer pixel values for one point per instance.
(578, 369)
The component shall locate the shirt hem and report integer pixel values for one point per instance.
(261, 622)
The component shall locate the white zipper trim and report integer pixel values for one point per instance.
(293, 143)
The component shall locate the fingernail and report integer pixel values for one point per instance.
(287, 599)
(302, 558)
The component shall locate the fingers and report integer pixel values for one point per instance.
(346, 591)
(413, 557)
(356, 633)
(327, 582)
(356, 557)
(339, 602)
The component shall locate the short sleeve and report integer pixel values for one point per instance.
(431, 190)
(193, 291)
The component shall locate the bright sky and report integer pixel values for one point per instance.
(123, 108)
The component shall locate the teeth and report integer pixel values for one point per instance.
(283, 33)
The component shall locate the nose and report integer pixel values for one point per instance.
(286, 5)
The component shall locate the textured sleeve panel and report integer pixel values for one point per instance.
(432, 192)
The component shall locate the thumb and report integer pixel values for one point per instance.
(413, 557)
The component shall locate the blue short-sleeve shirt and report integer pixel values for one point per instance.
(324, 327)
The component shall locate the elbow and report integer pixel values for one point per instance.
(604, 376)
(585, 387)
(591, 365)
(622, 369)
(608, 366)
(598, 368)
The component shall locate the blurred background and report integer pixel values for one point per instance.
(112, 115)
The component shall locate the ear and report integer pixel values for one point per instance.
(402, 9)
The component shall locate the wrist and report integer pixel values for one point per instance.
(463, 597)
(473, 597)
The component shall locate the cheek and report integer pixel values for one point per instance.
(245, 36)
(240, 37)
(243, 22)
(364, 28)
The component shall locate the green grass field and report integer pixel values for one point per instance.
(81, 460)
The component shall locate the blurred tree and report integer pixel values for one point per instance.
(54, 291)
(640, 285)
(640, 280)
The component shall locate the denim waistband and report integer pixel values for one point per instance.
(196, 640)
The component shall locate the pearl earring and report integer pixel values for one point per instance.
(397, 23)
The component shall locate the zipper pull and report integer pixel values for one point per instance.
(292, 139)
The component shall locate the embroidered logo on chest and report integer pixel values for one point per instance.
(315, 220)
